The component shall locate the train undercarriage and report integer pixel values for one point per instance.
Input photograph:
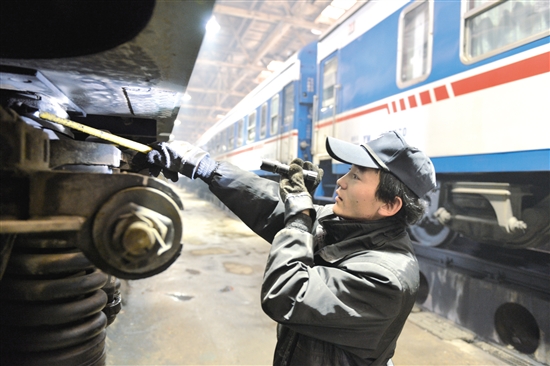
(74, 217)
(484, 254)
(71, 227)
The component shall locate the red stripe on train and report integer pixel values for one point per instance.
(260, 144)
(520, 70)
(357, 114)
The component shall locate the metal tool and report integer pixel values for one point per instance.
(282, 169)
(97, 133)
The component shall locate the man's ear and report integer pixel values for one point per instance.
(390, 209)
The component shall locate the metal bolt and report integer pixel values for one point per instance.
(138, 238)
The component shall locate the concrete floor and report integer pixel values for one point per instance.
(205, 309)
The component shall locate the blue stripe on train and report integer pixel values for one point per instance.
(520, 161)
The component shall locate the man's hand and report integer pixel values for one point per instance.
(295, 183)
(307, 165)
(174, 158)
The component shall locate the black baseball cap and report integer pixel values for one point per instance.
(391, 153)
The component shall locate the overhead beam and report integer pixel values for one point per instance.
(272, 18)
(215, 91)
(206, 107)
(194, 123)
(229, 64)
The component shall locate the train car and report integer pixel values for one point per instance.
(71, 224)
(273, 121)
(467, 82)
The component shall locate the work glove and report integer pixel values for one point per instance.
(295, 182)
(174, 158)
(296, 193)
(308, 165)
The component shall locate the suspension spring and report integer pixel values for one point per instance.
(52, 300)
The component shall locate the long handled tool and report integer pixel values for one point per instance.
(267, 165)
(97, 133)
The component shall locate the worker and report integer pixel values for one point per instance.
(340, 279)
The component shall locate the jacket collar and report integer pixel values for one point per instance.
(346, 237)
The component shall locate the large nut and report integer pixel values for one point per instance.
(138, 238)
(137, 233)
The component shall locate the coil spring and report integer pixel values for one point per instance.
(51, 301)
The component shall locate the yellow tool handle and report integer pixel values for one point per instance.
(97, 133)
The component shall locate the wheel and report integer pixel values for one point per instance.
(429, 231)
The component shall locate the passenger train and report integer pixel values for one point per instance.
(467, 82)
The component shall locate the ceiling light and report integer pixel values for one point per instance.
(262, 76)
(212, 27)
(274, 65)
(343, 4)
(335, 10)
(186, 97)
(316, 32)
(332, 12)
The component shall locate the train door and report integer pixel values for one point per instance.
(285, 153)
(327, 104)
(251, 128)
(263, 121)
(274, 122)
(324, 124)
(239, 133)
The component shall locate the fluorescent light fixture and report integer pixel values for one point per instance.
(335, 10)
(274, 65)
(317, 32)
(262, 76)
(343, 4)
(333, 13)
(212, 27)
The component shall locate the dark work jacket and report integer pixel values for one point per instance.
(342, 299)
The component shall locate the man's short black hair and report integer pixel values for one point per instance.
(391, 187)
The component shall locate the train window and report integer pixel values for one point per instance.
(231, 135)
(329, 83)
(274, 120)
(251, 130)
(224, 141)
(240, 127)
(491, 27)
(218, 142)
(414, 43)
(288, 105)
(263, 120)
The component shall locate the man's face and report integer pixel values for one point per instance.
(355, 196)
